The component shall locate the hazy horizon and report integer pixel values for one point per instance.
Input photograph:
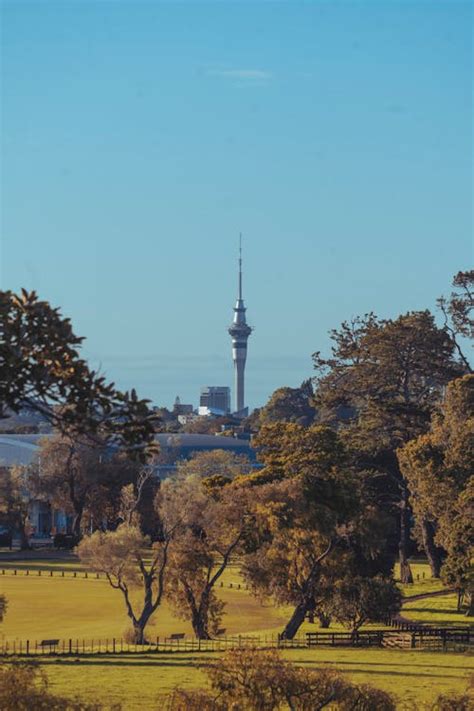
(140, 138)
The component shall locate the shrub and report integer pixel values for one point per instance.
(24, 687)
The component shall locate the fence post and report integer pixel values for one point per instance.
(27, 646)
(113, 645)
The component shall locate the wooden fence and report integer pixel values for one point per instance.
(180, 643)
(86, 575)
(433, 639)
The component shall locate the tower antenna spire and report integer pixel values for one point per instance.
(240, 265)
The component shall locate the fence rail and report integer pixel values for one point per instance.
(433, 639)
(115, 645)
(86, 575)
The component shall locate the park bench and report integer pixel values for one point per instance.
(179, 635)
(49, 643)
(221, 631)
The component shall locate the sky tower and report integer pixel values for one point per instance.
(239, 331)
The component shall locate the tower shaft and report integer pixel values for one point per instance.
(239, 332)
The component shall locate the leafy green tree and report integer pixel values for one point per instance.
(14, 500)
(128, 563)
(313, 519)
(213, 523)
(24, 686)
(290, 405)
(456, 534)
(82, 477)
(458, 312)
(41, 368)
(218, 462)
(261, 680)
(390, 374)
(3, 607)
(358, 600)
(439, 469)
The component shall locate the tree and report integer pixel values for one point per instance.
(14, 500)
(458, 310)
(218, 462)
(391, 375)
(124, 556)
(456, 702)
(314, 520)
(456, 534)
(358, 600)
(213, 522)
(3, 607)
(40, 368)
(82, 476)
(24, 686)
(290, 405)
(438, 467)
(260, 680)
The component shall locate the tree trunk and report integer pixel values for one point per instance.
(406, 575)
(139, 630)
(470, 607)
(140, 624)
(24, 540)
(324, 620)
(296, 620)
(76, 524)
(199, 624)
(432, 552)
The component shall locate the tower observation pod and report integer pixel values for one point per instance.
(239, 331)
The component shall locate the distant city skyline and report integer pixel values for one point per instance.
(140, 138)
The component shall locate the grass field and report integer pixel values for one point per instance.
(55, 607)
(416, 678)
(437, 611)
(423, 582)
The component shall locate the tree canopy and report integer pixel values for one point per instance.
(40, 367)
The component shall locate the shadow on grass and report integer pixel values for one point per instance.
(131, 663)
(368, 665)
(389, 672)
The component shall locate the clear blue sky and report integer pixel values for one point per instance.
(139, 138)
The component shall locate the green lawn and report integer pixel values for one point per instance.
(422, 580)
(415, 678)
(437, 611)
(55, 607)
(44, 607)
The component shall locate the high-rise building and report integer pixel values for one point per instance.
(215, 398)
(239, 331)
